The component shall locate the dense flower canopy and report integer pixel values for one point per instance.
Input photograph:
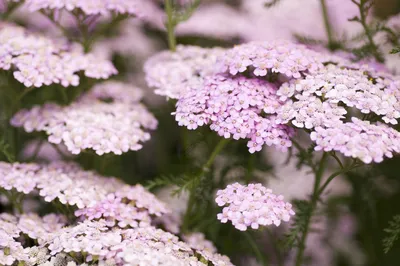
(99, 7)
(109, 118)
(233, 107)
(284, 123)
(38, 61)
(96, 198)
(263, 91)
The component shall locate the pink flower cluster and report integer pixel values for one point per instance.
(107, 119)
(171, 73)
(205, 248)
(352, 87)
(65, 182)
(237, 107)
(101, 203)
(38, 61)
(321, 102)
(98, 7)
(262, 91)
(37, 228)
(138, 246)
(359, 139)
(271, 57)
(129, 206)
(252, 205)
(70, 185)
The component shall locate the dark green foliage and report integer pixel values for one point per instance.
(298, 226)
(395, 50)
(392, 233)
(6, 150)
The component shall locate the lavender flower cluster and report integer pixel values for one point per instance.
(265, 91)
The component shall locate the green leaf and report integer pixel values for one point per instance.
(299, 225)
(395, 50)
(184, 15)
(183, 182)
(393, 233)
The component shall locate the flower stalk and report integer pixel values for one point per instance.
(170, 24)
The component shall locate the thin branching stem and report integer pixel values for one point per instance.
(333, 154)
(347, 169)
(314, 200)
(256, 249)
(364, 6)
(328, 26)
(205, 169)
(317, 192)
(170, 24)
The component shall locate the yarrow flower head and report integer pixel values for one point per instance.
(65, 182)
(271, 57)
(137, 246)
(252, 206)
(96, 197)
(38, 61)
(35, 227)
(171, 73)
(98, 7)
(238, 107)
(128, 206)
(325, 100)
(359, 139)
(206, 249)
(108, 119)
(368, 92)
(263, 91)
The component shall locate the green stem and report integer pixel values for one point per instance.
(335, 174)
(275, 245)
(317, 192)
(256, 249)
(170, 25)
(314, 200)
(205, 169)
(363, 20)
(333, 154)
(214, 154)
(64, 95)
(328, 27)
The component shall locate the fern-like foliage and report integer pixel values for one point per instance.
(299, 224)
(393, 233)
(182, 15)
(183, 182)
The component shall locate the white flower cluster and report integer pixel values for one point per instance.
(108, 119)
(40, 229)
(38, 61)
(171, 73)
(98, 7)
(252, 205)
